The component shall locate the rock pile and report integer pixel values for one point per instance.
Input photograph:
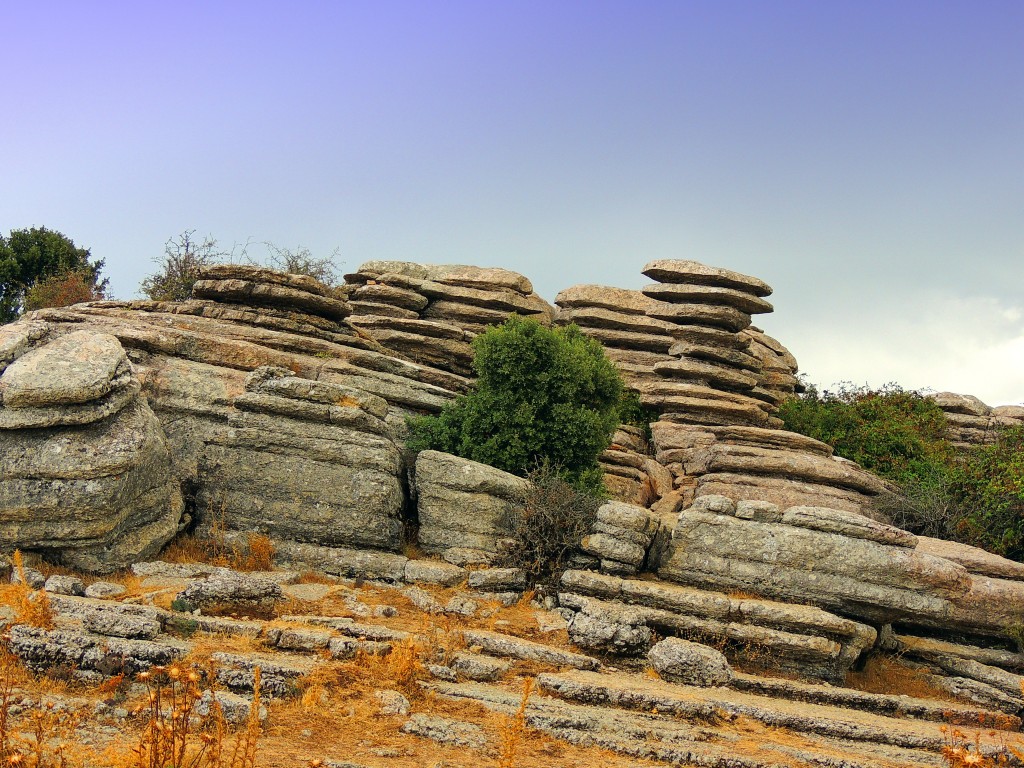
(430, 313)
(971, 422)
(682, 342)
(85, 471)
(772, 465)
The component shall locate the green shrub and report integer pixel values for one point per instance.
(895, 433)
(543, 396)
(990, 486)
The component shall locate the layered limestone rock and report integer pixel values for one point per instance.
(971, 422)
(837, 560)
(431, 313)
(85, 471)
(305, 461)
(774, 635)
(464, 507)
(742, 463)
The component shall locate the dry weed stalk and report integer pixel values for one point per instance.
(513, 728)
(33, 605)
(175, 736)
(44, 742)
(959, 751)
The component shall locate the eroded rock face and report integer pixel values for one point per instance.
(819, 559)
(464, 506)
(85, 470)
(305, 461)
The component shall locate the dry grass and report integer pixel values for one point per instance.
(883, 674)
(257, 554)
(31, 606)
(512, 729)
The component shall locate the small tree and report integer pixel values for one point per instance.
(29, 256)
(180, 266)
(300, 261)
(543, 396)
(63, 290)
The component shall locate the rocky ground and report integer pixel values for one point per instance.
(372, 673)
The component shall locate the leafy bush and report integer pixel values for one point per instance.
(543, 396)
(895, 433)
(974, 496)
(29, 256)
(63, 290)
(990, 487)
(548, 528)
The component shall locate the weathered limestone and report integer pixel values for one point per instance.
(858, 576)
(621, 536)
(464, 505)
(310, 462)
(971, 422)
(745, 462)
(794, 638)
(87, 478)
(690, 663)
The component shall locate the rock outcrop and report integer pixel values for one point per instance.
(85, 470)
(971, 422)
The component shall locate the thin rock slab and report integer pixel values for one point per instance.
(688, 272)
(75, 368)
(708, 294)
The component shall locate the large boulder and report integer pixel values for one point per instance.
(836, 560)
(305, 461)
(85, 470)
(464, 505)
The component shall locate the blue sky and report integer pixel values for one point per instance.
(865, 158)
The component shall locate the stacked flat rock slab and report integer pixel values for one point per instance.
(620, 537)
(831, 558)
(464, 507)
(794, 638)
(85, 471)
(971, 422)
(431, 313)
(686, 344)
(631, 474)
(772, 465)
(306, 461)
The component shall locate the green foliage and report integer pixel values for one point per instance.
(990, 486)
(30, 256)
(180, 266)
(974, 496)
(635, 413)
(895, 433)
(547, 529)
(543, 395)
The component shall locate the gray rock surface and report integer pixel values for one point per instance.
(690, 663)
(233, 592)
(463, 504)
(115, 502)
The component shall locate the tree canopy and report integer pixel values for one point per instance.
(31, 256)
(543, 396)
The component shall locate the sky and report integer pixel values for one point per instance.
(864, 158)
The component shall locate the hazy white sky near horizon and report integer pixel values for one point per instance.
(865, 158)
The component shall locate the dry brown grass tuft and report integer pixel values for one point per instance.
(512, 729)
(882, 674)
(32, 606)
(175, 736)
(257, 554)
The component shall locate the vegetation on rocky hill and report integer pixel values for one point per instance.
(42, 267)
(975, 496)
(543, 395)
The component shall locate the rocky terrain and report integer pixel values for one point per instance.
(727, 608)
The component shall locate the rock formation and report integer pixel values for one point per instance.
(269, 403)
(971, 422)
